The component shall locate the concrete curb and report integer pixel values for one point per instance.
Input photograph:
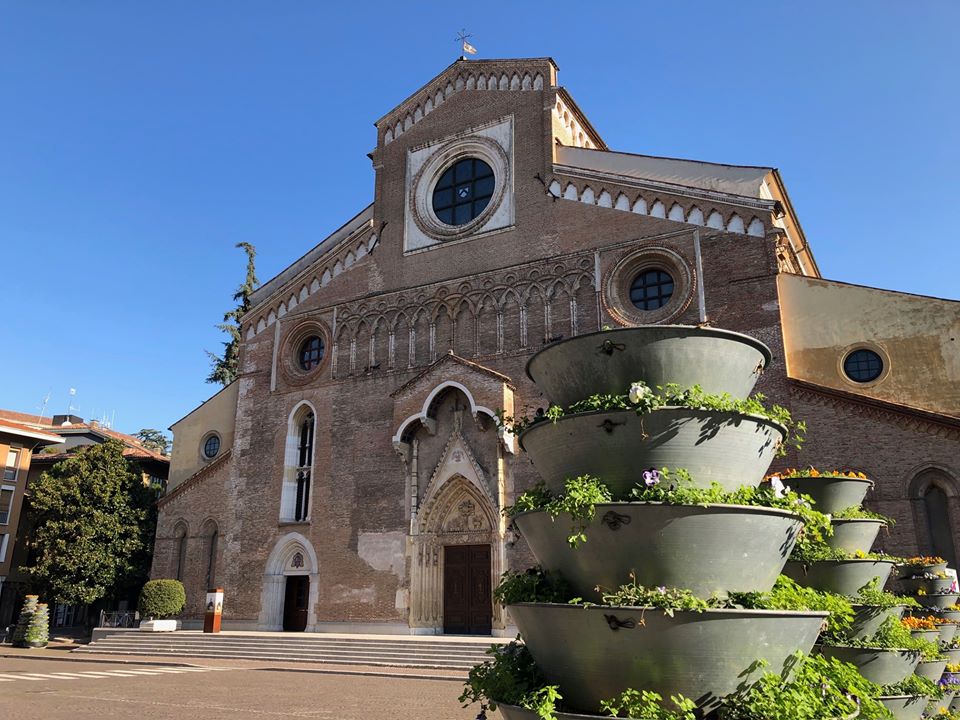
(86, 658)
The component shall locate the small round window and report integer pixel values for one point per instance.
(211, 446)
(311, 352)
(863, 366)
(463, 191)
(651, 289)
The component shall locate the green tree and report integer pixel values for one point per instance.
(154, 440)
(224, 369)
(94, 522)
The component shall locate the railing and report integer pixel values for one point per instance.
(120, 619)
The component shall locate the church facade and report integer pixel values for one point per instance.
(352, 478)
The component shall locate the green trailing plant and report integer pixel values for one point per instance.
(788, 595)
(38, 632)
(785, 595)
(859, 513)
(674, 487)
(646, 705)
(891, 635)
(532, 585)
(809, 688)
(643, 400)
(162, 599)
(810, 549)
(661, 598)
(23, 621)
(916, 686)
(579, 500)
(511, 677)
(872, 596)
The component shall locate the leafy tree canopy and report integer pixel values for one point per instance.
(93, 522)
(154, 440)
(224, 369)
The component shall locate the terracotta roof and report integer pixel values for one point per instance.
(15, 428)
(128, 451)
(25, 418)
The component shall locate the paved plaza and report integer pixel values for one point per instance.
(56, 688)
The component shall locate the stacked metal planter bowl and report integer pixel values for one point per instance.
(596, 652)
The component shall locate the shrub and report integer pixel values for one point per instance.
(162, 599)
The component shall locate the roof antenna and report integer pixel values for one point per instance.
(465, 47)
(43, 406)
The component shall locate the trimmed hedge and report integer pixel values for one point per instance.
(162, 599)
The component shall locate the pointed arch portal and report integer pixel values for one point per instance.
(290, 586)
(457, 557)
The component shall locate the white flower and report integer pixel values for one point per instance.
(638, 391)
(779, 489)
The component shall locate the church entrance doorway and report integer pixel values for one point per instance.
(467, 605)
(295, 603)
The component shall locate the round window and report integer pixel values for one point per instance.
(463, 191)
(211, 446)
(863, 365)
(651, 289)
(311, 352)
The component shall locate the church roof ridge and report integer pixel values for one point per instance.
(451, 357)
(462, 62)
(305, 261)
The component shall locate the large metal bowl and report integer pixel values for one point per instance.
(604, 362)
(595, 653)
(831, 493)
(706, 549)
(854, 534)
(845, 577)
(618, 445)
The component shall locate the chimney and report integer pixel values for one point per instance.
(66, 420)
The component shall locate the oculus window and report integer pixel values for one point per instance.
(651, 289)
(211, 446)
(311, 352)
(463, 191)
(863, 366)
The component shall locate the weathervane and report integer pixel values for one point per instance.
(465, 47)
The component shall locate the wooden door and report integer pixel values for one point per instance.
(295, 602)
(467, 603)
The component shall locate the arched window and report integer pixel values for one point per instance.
(212, 537)
(181, 537)
(304, 465)
(298, 465)
(938, 523)
(934, 493)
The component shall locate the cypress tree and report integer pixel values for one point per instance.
(224, 369)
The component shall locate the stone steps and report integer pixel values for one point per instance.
(359, 650)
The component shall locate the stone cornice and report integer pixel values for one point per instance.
(683, 190)
(194, 479)
(903, 416)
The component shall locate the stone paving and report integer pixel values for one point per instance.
(52, 685)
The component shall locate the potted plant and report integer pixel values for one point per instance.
(832, 491)
(886, 658)
(38, 632)
(23, 621)
(908, 699)
(716, 438)
(160, 602)
(664, 531)
(605, 362)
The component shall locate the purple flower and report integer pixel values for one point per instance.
(651, 477)
(662, 589)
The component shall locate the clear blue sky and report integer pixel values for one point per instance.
(139, 141)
